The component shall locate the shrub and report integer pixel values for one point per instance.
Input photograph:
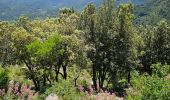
(65, 90)
(149, 88)
(3, 78)
(15, 73)
(154, 87)
(160, 70)
(119, 86)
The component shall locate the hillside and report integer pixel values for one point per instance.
(94, 52)
(153, 12)
(12, 9)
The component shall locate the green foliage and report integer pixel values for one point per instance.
(119, 86)
(40, 48)
(3, 78)
(145, 47)
(80, 76)
(65, 90)
(44, 54)
(160, 70)
(152, 12)
(5, 43)
(126, 52)
(102, 44)
(161, 43)
(154, 45)
(16, 74)
(155, 87)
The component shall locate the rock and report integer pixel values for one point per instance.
(168, 76)
(11, 82)
(52, 96)
(117, 98)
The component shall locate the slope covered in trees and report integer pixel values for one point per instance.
(12, 9)
(153, 11)
(95, 54)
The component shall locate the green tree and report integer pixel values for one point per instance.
(43, 55)
(125, 49)
(100, 28)
(145, 52)
(6, 49)
(88, 24)
(161, 43)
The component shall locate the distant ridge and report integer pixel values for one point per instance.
(153, 12)
(12, 9)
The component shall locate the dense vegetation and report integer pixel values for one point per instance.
(12, 9)
(98, 53)
(152, 12)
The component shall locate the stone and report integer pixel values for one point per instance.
(52, 96)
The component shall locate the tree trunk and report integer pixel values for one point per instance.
(44, 80)
(48, 80)
(35, 84)
(65, 72)
(30, 66)
(57, 69)
(129, 75)
(100, 78)
(102, 81)
(94, 77)
(75, 82)
(38, 85)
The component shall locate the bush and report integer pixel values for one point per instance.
(119, 86)
(65, 90)
(16, 74)
(3, 78)
(149, 88)
(154, 87)
(160, 70)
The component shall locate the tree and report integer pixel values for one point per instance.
(87, 24)
(67, 21)
(25, 23)
(125, 48)
(21, 38)
(105, 29)
(6, 43)
(161, 43)
(100, 28)
(44, 55)
(145, 52)
(58, 51)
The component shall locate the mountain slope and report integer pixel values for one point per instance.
(153, 12)
(12, 9)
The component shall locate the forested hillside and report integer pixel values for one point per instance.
(153, 11)
(98, 53)
(12, 9)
